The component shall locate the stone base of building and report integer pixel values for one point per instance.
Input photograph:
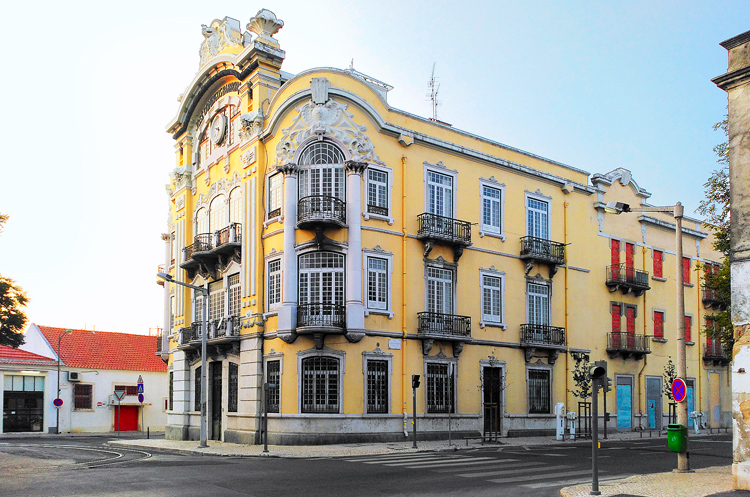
(741, 475)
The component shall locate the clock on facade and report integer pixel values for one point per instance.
(218, 128)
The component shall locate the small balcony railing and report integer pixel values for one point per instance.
(628, 343)
(230, 234)
(541, 249)
(446, 229)
(715, 353)
(377, 210)
(627, 278)
(158, 338)
(323, 209)
(712, 299)
(435, 323)
(542, 335)
(321, 315)
(226, 327)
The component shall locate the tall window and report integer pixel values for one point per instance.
(614, 252)
(539, 391)
(686, 269)
(321, 171)
(377, 283)
(616, 311)
(658, 263)
(377, 192)
(491, 201)
(377, 387)
(538, 304)
(492, 299)
(234, 295)
(198, 306)
(536, 218)
(274, 284)
(201, 221)
(659, 324)
(274, 195)
(83, 396)
(440, 392)
(234, 373)
(217, 214)
(170, 404)
(439, 194)
(688, 328)
(439, 290)
(320, 385)
(273, 376)
(321, 278)
(216, 300)
(235, 205)
(197, 383)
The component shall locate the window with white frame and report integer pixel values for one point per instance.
(234, 295)
(321, 278)
(217, 214)
(274, 284)
(274, 195)
(439, 386)
(216, 300)
(320, 385)
(492, 284)
(537, 212)
(235, 205)
(439, 194)
(322, 171)
(201, 221)
(377, 192)
(377, 283)
(439, 290)
(492, 199)
(539, 391)
(197, 307)
(537, 298)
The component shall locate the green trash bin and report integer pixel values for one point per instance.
(677, 437)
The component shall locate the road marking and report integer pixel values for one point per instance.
(574, 482)
(496, 465)
(394, 459)
(510, 471)
(460, 462)
(544, 476)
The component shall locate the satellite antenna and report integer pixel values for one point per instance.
(434, 87)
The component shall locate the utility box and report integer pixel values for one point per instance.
(560, 420)
(676, 437)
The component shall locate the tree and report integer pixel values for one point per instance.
(715, 208)
(12, 299)
(581, 376)
(669, 375)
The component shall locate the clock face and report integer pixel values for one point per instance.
(218, 128)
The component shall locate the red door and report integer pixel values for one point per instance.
(128, 418)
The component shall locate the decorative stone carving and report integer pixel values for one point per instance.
(287, 336)
(252, 124)
(218, 36)
(319, 88)
(265, 24)
(182, 177)
(179, 204)
(248, 157)
(329, 119)
(288, 169)
(355, 167)
(458, 347)
(354, 336)
(427, 346)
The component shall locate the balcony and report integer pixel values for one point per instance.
(449, 327)
(223, 337)
(715, 354)
(549, 340)
(443, 230)
(321, 315)
(628, 345)
(627, 279)
(542, 251)
(320, 211)
(211, 250)
(712, 300)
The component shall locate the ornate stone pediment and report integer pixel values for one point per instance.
(320, 120)
(222, 33)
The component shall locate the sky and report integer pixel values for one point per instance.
(89, 92)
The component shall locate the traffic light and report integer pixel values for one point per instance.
(415, 381)
(608, 385)
(598, 373)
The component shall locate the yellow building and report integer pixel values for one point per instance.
(348, 246)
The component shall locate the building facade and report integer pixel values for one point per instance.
(348, 245)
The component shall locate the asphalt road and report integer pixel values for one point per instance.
(88, 467)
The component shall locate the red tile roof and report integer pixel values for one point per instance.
(9, 355)
(106, 350)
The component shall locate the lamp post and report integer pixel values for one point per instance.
(59, 339)
(683, 462)
(168, 278)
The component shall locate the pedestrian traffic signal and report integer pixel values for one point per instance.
(415, 381)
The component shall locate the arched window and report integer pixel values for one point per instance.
(235, 205)
(218, 214)
(321, 171)
(201, 221)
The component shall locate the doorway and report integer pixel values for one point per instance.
(126, 419)
(714, 399)
(624, 403)
(492, 389)
(653, 402)
(215, 374)
(23, 411)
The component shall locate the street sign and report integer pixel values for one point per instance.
(679, 390)
(140, 388)
(58, 402)
(140, 398)
(119, 394)
(140, 379)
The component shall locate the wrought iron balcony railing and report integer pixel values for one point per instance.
(321, 315)
(435, 323)
(628, 277)
(712, 299)
(542, 249)
(446, 229)
(323, 209)
(714, 351)
(229, 234)
(542, 334)
(378, 210)
(628, 342)
(158, 338)
(201, 243)
(226, 327)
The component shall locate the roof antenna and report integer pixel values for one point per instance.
(434, 87)
(351, 65)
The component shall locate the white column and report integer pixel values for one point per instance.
(355, 310)
(288, 309)
(167, 330)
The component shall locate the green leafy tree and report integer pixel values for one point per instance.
(669, 375)
(715, 209)
(581, 376)
(12, 299)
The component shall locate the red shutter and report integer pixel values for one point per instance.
(629, 252)
(615, 252)
(630, 325)
(615, 309)
(658, 261)
(658, 324)
(686, 269)
(688, 326)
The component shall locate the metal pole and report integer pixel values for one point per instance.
(265, 417)
(204, 333)
(683, 461)
(118, 419)
(604, 389)
(57, 427)
(595, 439)
(414, 414)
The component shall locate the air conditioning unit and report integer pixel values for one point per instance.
(74, 376)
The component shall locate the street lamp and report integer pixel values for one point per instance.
(59, 339)
(683, 463)
(168, 278)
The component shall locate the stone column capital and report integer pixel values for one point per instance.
(355, 167)
(288, 169)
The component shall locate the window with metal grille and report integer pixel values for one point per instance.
(83, 396)
(216, 300)
(439, 382)
(536, 218)
(377, 283)
(539, 391)
(128, 389)
(377, 387)
(171, 391)
(439, 290)
(274, 284)
(538, 304)
(235, 206)
(377, 192)
(273, 377)
(492, 304)
(274, 195)
(234, 373)
(658, 324)
(658, 263)
(197, 389)
(491, 198)
(320, 385)
(234, 295)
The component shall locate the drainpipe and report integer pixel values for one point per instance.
(403, 296)
(567, 328)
